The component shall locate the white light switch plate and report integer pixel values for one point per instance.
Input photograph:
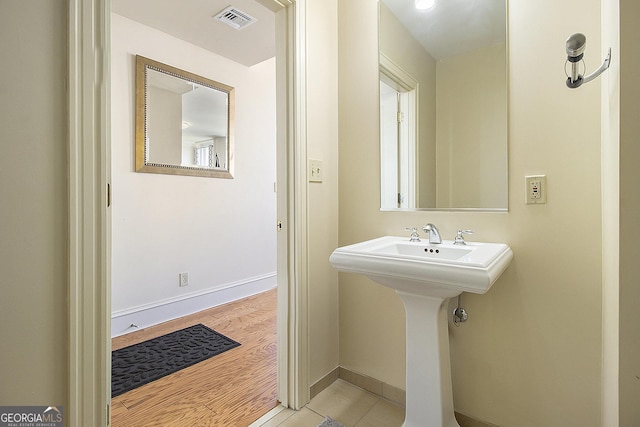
(535, 189)
(315, 170)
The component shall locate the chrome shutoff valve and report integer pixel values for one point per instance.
(460, 315)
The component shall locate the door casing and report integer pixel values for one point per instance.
(89, 105)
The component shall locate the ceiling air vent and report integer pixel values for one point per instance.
(235, 18)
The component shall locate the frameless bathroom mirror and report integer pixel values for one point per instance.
(443, 105)
(184, 122)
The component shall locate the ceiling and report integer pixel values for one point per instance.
(194, 22)
(453, 27)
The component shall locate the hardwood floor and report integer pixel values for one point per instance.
(231, 389)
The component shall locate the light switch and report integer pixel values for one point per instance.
(536, 189)
(315, 170)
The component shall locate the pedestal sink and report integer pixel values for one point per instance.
(426, 275)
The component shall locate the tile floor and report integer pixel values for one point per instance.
(344, 402)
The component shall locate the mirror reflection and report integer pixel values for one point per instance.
(183, 122)
(443, 105)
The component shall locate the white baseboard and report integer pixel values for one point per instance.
(173, 308)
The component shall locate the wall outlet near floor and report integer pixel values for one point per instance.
(184, 279)
(536, 189)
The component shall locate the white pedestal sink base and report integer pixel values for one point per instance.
(425, 275)
(429, 391)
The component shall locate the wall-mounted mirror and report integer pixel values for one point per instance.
(184, 122)
(443, 105)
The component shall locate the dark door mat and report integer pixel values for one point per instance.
(150, 360)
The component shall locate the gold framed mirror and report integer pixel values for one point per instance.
(184, 122)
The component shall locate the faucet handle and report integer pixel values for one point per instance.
(459, 240)
(414, 234)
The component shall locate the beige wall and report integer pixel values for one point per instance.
(322, 138)
(471, 156)
(33, 203)
(164, 126)
(611, 216)
(629, 213)
(530, 355)
(371, 317)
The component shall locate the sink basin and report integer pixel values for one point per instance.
(426, 269)
(425, 276)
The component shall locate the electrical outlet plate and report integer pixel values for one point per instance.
(535, 189)
(315, 170)
(184, 279)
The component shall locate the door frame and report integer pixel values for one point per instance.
(89, 364)
(89, 310)
(401, 81)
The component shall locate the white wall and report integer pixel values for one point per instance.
(530, 354)
(33, 203)
(220, 231)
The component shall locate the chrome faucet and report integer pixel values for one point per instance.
(434, 234)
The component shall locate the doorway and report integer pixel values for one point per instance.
(397, 146)
(165, 226)
(90, 201)
(398, 136)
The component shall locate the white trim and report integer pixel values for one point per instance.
(298, 240)
(89, 396)
(405, 83)
(276, 5)
(269, 415)
(89, 218)
(396, 73)
(293, 360)
(283, 61)
(157, 312)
